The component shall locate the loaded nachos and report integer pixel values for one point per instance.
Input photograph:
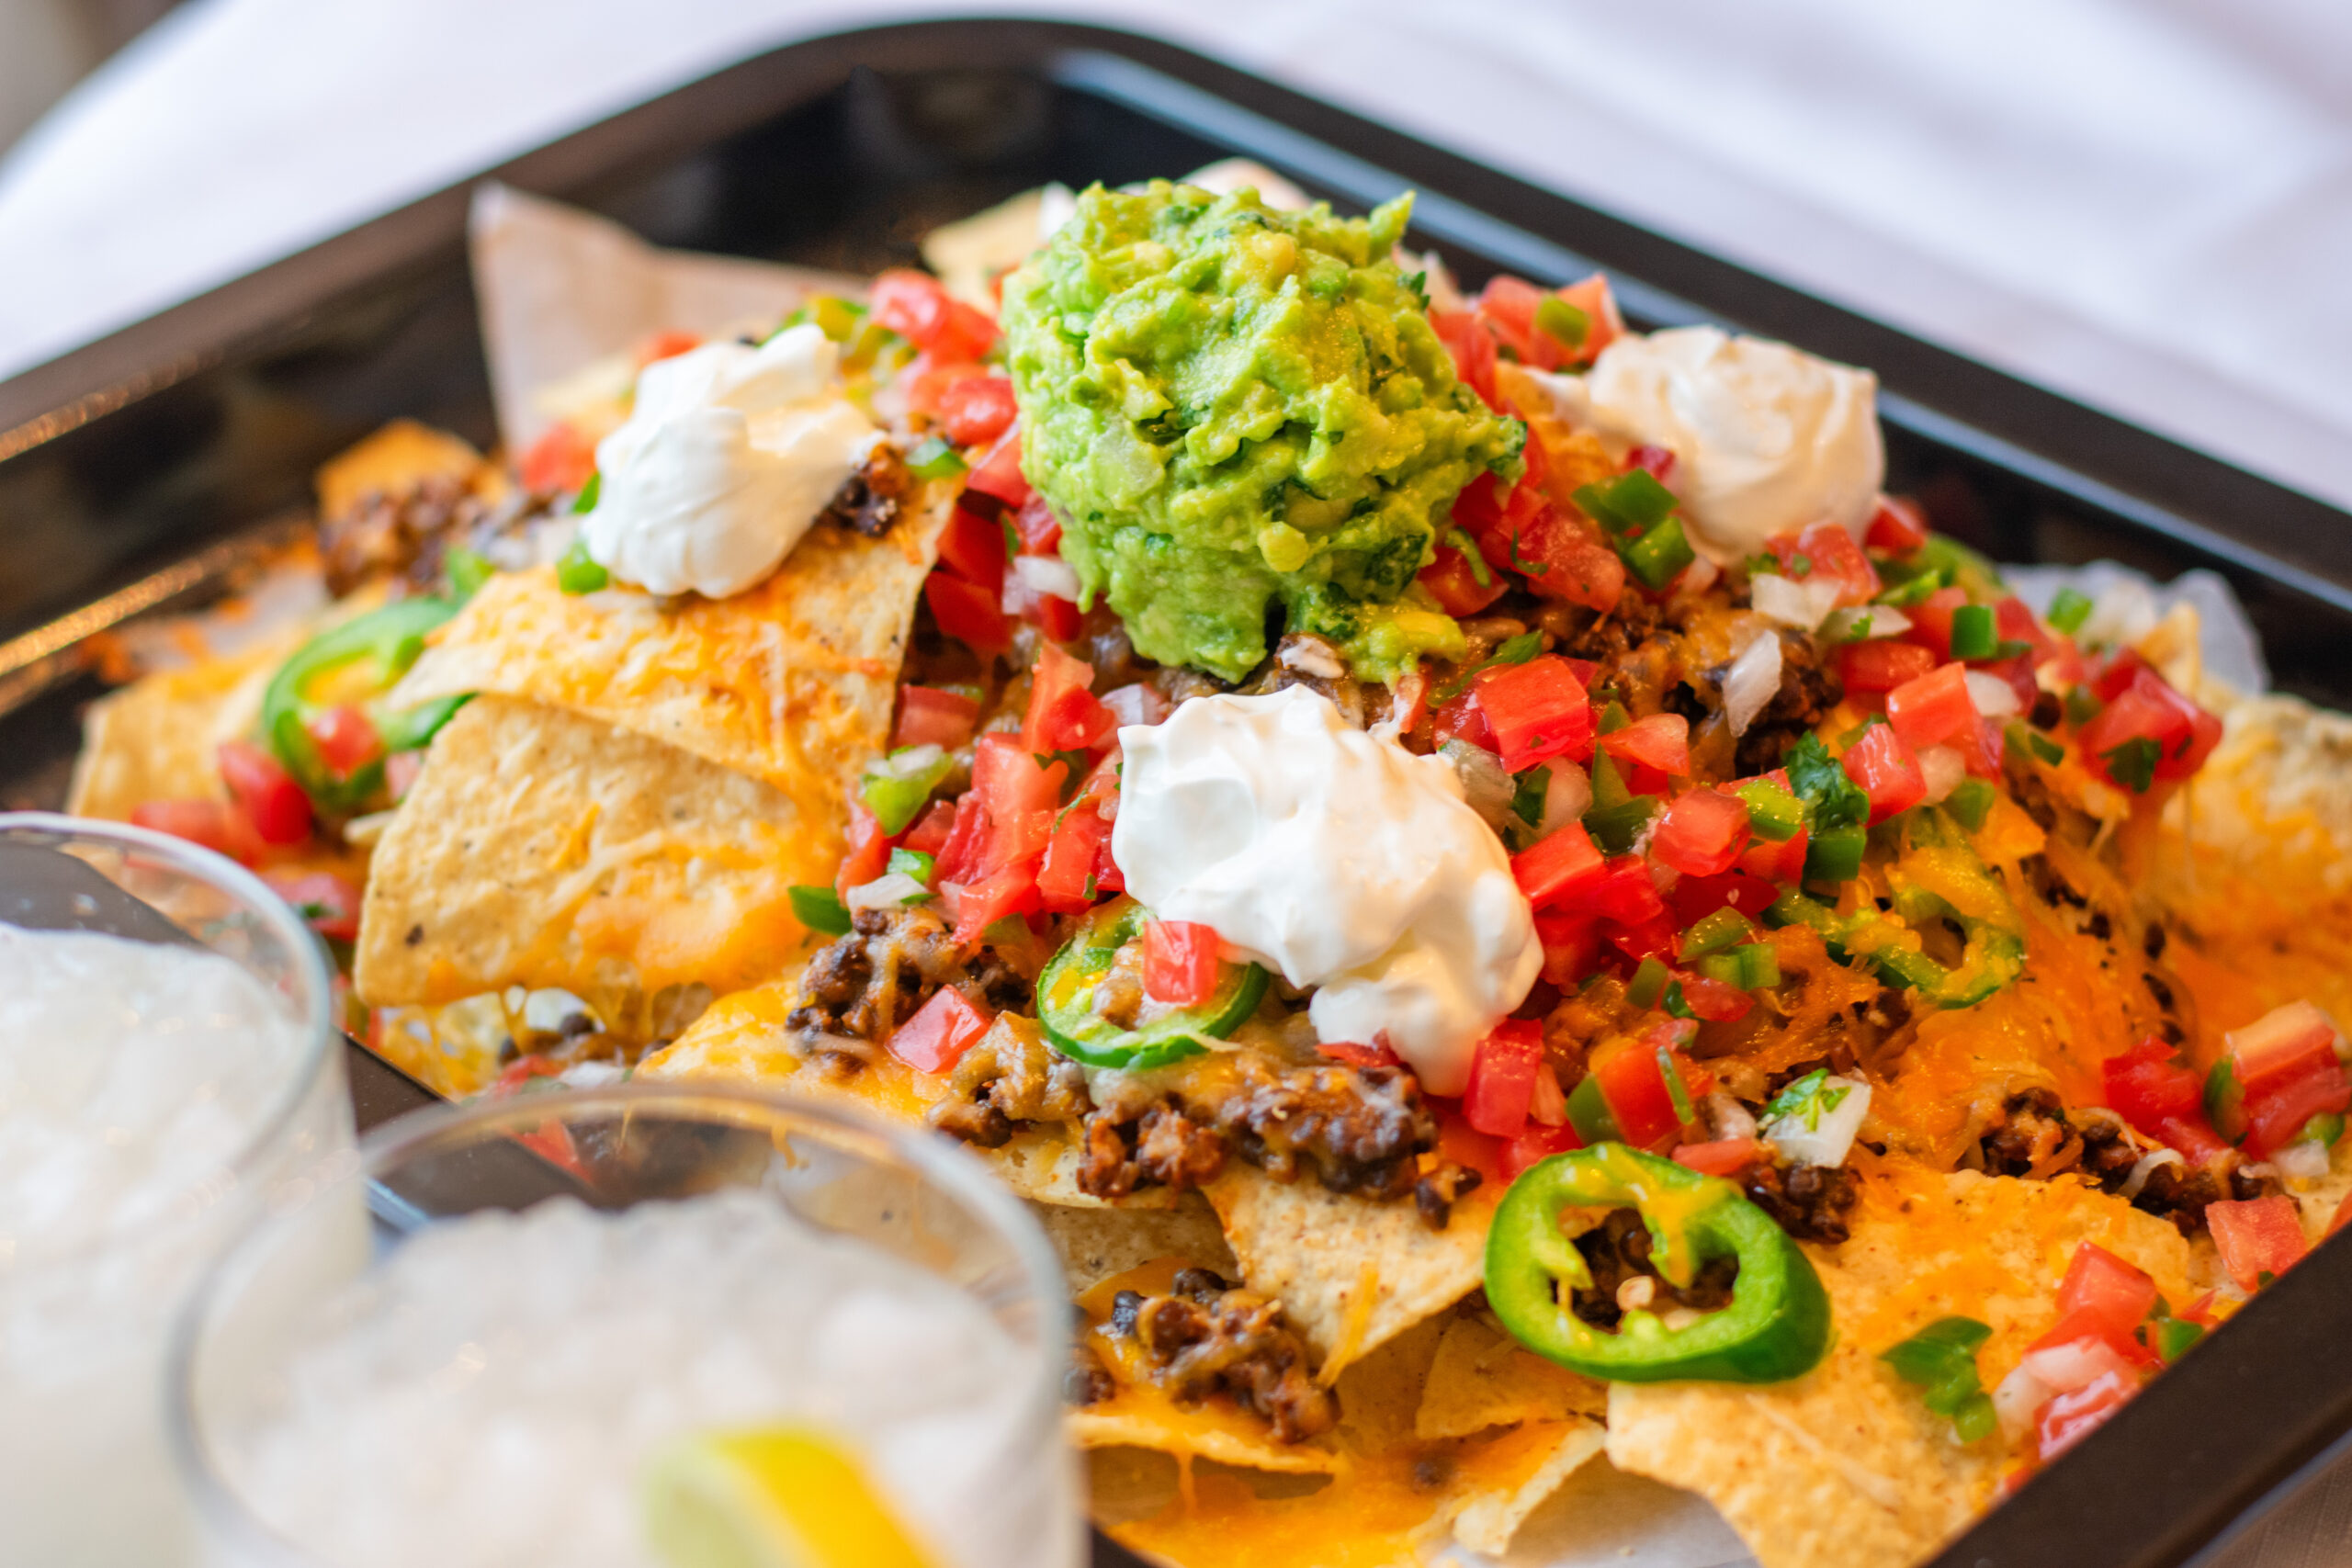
(1503, 901)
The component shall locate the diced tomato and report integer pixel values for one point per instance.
(1660, 741)
(997, 477)
(666, 345)
(959, 856)
(1593, 296)
(1459, 717)
(1882, 664)
(346, 739)
(1571, 946)
(1503, 1077)
(401, 770)
(1560, 557)
(1465, 1146)
(1703, 833)
(265, 793)
(941, 1030)
(1781, 862)
(978, 409)
(2257, 1237)
(1827, 553)
(2014, 621)
(1898, 527)
(1180, 960)
(1713, 999)
(2082, 1349)
(1061, 619)
(1040, 529)
(1623, 892)
(1882, 767)
(328, 904)
(1634, 1083)
(1537, 710)
(2276, 1112)
(1653, 938)
(1934, 708)
(1534, 1144)
(968, 612)
(1453, 581)
(213, 824)
(1655, 461)
(1067, 883)
(559, 461)
(973, 547)
(1020, 797)
(927, 385)
(869, 849)
(2069, 1418)
(1063, 714)
(977, 905)
(2117, 673)
(914, 305)
(1553, 867)
(1507, 306)
(1473, 348)
(2017, 673)
(928, 835)
(930, 716)
(2117, 1294)
(1723, 1156)
(2285, 1041)
(1696, 897)
(2184, 733)
(1349, 1053)
(2147, 1085)
(521, 1071)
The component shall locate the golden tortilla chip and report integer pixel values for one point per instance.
(790, 682)
(742, 1036)
(1845, 1467)
(158, 738)
(542, 848)
(396, 459)
(1481, 1377)
(1351, 1274)
(1095, 1243)
(1487, 1520)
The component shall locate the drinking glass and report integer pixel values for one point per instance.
(107, 1213)
(570, 1384)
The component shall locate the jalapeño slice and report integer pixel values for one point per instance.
(1777, 1326)
(1066, 999)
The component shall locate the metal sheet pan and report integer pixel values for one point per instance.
(136, 473)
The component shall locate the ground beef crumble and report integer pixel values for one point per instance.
(1205, 1337)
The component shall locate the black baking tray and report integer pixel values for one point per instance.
(134, 473)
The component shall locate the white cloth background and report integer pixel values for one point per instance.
(2145, 204)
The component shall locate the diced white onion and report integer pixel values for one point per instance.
(1484, 785)
(1049, 575)
(1869, 621)
(1637, 1293)
(886, 893)
(2306, 1160)
(1546, 1104)
(1731, 1119)
(1567, 798)
(2075, 1364)
(1751, 682)
(1311, 655)
(1138, 703)
(1804, 606)
(912, 763)
(1943, 768)
(2146, 1168)
(1994, 697)
(2017, 1400)
(1699, 576)
(1831, 1136)
(544, 1012)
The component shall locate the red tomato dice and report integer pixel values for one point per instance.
(1882, 664)
(1180, 961)
(1537, 710)
(1451, 579)
(2069, 1418)
(1040, 529)
(1560, 557)
(2115, 1293)
(1550, 869)
(213, 824)
(1696, 897)
(1781, 862)
(930, 834)
(2287, 1041)
(1021, 797)
(1503, 1077)
(1063, 713)
(1473, 348)
(1898, 527)
(979, 904)
(346, 740)
(1571, 947)
(1713, 999)
(1882, 767)
(2276, 1112)
(941, 1030)
(1536, 1143)
(1933, 709)
(1459, 717)
(1723, 1156)
(1702, 835)
(977, 409)
(973, 547)
(930, 716)
(969, 612)
(1660, 741)
(2148, 1084)
(1633, 1081)
(265, 793)
(328, 904)
(1825, 552)
(1624, 892)
(869, 849)
(2259, 1238)
(915, 306)
(1067, 883)
(559, 461)
(997, 477)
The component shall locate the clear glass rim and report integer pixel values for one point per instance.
(313, 1012)
(955, 1173)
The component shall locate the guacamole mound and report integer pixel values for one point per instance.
(1230, 406)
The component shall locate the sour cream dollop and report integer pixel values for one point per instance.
(725, 462)
(1342, 859)
(1766, 438)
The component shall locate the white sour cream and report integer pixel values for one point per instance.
(1340, 860)
(725, 462)
(1766, 438)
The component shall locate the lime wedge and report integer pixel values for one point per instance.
(775, 1498)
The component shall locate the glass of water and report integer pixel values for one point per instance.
(166, 1066)
(613, 1326)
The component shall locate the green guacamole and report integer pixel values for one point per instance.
(1231, 406)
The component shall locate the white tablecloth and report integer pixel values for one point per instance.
(2145, 204)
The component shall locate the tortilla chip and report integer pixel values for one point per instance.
(743, 1036)
(790, 682)
(1095, 1243)
(1845, 1467)
(541, 849)
(396, 459)
(1481, 1377)
(159, 738)
(1487, 1521)
(1351, 1274)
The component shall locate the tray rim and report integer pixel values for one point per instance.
(2245, 1406)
